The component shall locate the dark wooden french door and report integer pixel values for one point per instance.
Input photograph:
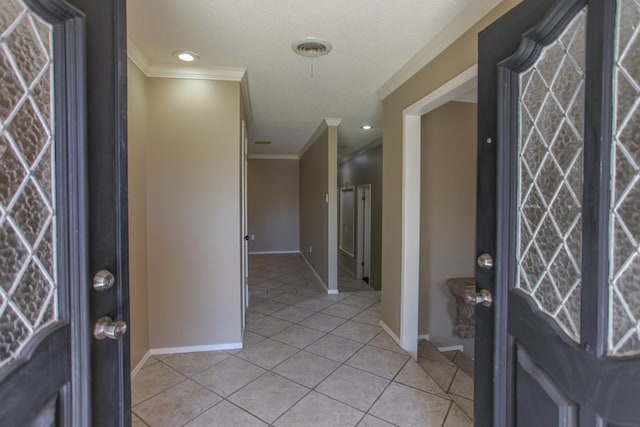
(559, 211)
(63, 213)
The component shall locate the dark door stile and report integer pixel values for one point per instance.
(521, 354)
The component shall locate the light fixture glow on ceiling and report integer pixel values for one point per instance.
(186, 56)
(366, 127)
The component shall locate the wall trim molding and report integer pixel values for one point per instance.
(324, 124)
(324, 285)
(196, 348)
(274, 252)
(176, 71)
(451, 348)
(425, 337)
(140, 364)
(472, 14)
(273, 157)
(370, 146)
(394, 337)
(333, 292)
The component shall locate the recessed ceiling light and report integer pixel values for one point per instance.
(262, 142)
(366, 127)
(186, 56)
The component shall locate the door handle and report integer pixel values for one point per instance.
(246, 237)
(106, 327)
(482, 297)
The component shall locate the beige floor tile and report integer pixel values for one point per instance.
(465, 404)
(289, 298)
(250, 339)
(306, 368)
(228, 376)
(341, 310)
(314, 304)
(371, 421)
(225, 414)
(376, 307)
(383, 340)
(309, 292)
(464, 362)
(267, 307)
(353, 386)
(405, 406)
(267, 353)
(451, 354)
(378, 361)
(190, 364)
(298, 336)
(322, 322)
(161, 356)
(368, 316)
(357, 331)
(153, 380)
(316, 410)
(136, 422)
(176, 405)
(358, 301)
(150, 361)
(293, 314)
(376, 295)
(442, 374)
(269, 396)
(462, 385)
(414, 376)
(426, 350)
(334, 348)
(457, 418)
(335, 297)
(267, 326)
(252, 316)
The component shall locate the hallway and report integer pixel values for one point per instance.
(310, 359)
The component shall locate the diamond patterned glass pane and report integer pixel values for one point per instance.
(28, 290)
(550, 170)
(624, 267)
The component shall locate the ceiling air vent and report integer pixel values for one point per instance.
(311, 47)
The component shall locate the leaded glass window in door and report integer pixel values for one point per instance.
(28, 290)
(550, 167)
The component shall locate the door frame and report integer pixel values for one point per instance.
(363, 234)
(411, 175)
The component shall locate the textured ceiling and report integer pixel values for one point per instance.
(372, 40)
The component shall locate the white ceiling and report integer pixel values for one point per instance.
(372, 40)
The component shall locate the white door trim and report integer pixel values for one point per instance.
(410, 250)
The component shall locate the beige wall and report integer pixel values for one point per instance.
(318, 218)
(193, 207)
(137, 170)
(366, 168)
(458, 57)
(273, 205)
(447, 216)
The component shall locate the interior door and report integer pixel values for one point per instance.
(558, 198)
(54, 233)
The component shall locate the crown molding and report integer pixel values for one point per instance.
(370, 146)
(472, 14)
(272, 157)
(137, 57)
(325, 123)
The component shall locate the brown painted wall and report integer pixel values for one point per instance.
(314, 215)
(458, 57)
(447, 216)
(193, 207)
(273, 201)
(366, 168)
(137, 187)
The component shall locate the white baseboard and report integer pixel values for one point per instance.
(140, 364)
(332, 291)
(315, 272)
(451, 348)
(195, 348)
(390, 332)
(274, 252)
(424, 337)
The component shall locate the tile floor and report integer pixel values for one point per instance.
(309, 359)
